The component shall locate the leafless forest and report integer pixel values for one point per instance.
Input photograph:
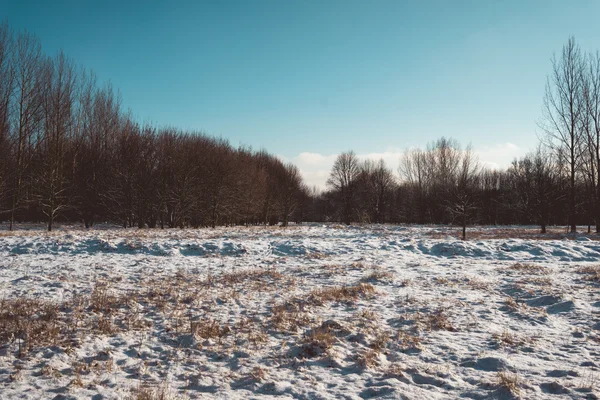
(69, 152)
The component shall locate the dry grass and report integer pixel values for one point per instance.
(102, 300)
(367, 315)
(407, 341)
(512, 304)
(510, 382)
(257, 338)
(105, 326)
(509, 339)
(30, 323)
(258, 374)
(394, 371)
(523, 309)
(440, 280)
(367, 358)
(209, 329)
(341, 294)
(378, 275)
(238, 277)
(477, 284)
(438, 320)
(380, 341)
(162, 392)
(289, 317)
(358, 265)
(317, 343)
(316, 255)
(528, 268)
(540, 281)
(50, 371)
(592, 272)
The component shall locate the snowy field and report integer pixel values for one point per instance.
(314, 312)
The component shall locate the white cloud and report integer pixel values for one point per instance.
(314, 159)
(499, 156)
(315, 167)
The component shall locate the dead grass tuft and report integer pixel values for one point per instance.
(512, 304)
(258, 374)
(162, 392)
(439, 320)
(477, 284)
(316, 255)
(316, 343)
(510, 381)
(541, 281)
(289, 317)
(395, 371)
(592, 272)
(367, 358)
(29, 322)
(378, 275)
(509, 339)
(105, 326)
(440, 280)
(523, 309)
(209, 329)
(528, 268)
(341, 294)
(380, 341)
(407, 341)
(102, 300)
(50, 371)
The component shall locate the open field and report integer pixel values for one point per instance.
(313, 312)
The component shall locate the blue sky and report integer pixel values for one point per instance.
(309, 79)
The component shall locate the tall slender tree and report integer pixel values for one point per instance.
(343, 178)
(27, 65)
(563, 109)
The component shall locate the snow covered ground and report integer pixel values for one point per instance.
(312, 312)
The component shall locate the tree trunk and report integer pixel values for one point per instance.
(572, 194)
(598, 207)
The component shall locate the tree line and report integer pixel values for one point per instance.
(69, 152)
(557, 184)
(443, 184)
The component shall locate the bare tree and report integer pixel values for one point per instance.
(343, 178)
(98, 123)
(413, 169)
(378, 182)
(27, 64)
(544, 175)
(591, 97)
(253, 188)
(6, 91)
(563, 108)
(463, 204)
(58, 100)
(291, 192)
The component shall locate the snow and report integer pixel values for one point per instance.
(245, 313)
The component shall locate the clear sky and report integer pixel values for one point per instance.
(309, 79)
